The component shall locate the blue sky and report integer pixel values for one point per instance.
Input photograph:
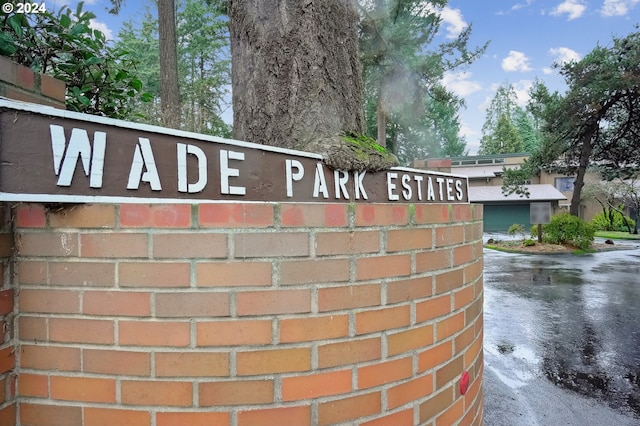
(526, 37)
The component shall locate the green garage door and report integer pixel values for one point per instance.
(499, 217)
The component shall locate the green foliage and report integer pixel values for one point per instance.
(611, 221)
(402, 72)
(528, 243)
(516, 229)
(204, 64)
(499, 133)
(568, 229)
(365, 142)
(100, 80)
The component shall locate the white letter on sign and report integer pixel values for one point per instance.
(226, 172)
(64, 163)
(183, 185)
(290, 164)
(320, 183)
(391, 186)
(143, 159)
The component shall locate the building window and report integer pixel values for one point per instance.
(565, 184)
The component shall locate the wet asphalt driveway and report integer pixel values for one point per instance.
(562, 339)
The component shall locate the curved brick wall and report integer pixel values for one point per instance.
(247, 314)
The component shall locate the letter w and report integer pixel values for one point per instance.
(65, 157)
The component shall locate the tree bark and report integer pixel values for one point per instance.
(169, 91)
(585, 156)
(296, 77)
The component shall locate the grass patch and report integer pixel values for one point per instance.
(617, 235)
(583, 251)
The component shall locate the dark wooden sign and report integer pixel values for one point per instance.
(48, 155)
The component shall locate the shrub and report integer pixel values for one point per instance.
(565, 228)
(528, 243)
(516, 228)
(602, 222)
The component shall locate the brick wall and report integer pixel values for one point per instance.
(249, 314)
(20, 83)
(7, 343)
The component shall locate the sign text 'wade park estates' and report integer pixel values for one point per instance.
(49, 155)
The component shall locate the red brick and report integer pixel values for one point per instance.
(473, 310)
(52, 87)
(155, 215)
(452, 415)
(116, 362)
(316, 385)
(314, 271)
(237, 392)
(273, 361)
(462, 255)
(408, 239)
(190, 246)
(412, 390)
(449, 235)
(189, 305)
(348, 297)
(369, 268)
(50, 415)
(32, 328)
(349, 352)
(314, 328)
(6, 301)
(25, 78)
(49, 301)
(473, 233)
(433, 308)
(8, 70)
(192, 419)
(31, 216)
(49, 358)
(349, 408)
(450, 280)
(461, 212)
(154, 333)
(84, 216)
(83, 389)
(463, 297)
(7, 359)
(314, 215)
(298, 416)
(114, 244)
(472, 352)
(464, 339)
(290, 244)
(385, 372)
(192, 364)
(431, 213)
(435, 405)
(235, 215)
(116, 303)
(433, 260)
(81, 330)
(234, 274)
(473, 271)
(406, 341)
(409, 290)
(382, 214)
(82, 274)
(450, 326)
(6, 244)
(154, 274)
(402, 418)
(273, 302)
(62, 244)
(164, 393)
(332, 243)
(32, 272)
(110, 417)
(383, 319)
(33, 385)
(449, 371)
(233, 333)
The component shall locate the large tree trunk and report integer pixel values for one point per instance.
(169, 92)
(296, 77)
(585, 156)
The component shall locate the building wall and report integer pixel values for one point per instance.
(20, 83)
(247, 314)
(7, 342)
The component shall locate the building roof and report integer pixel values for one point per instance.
(477, 172)
(542, 192)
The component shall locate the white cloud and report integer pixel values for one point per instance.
(516, 61)
(460, 84)
(522, 88)
(547, 70)
(518, 6)
(617, 7)
(573, 8)
(562, 55)
(97, 25)
(453, 21)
